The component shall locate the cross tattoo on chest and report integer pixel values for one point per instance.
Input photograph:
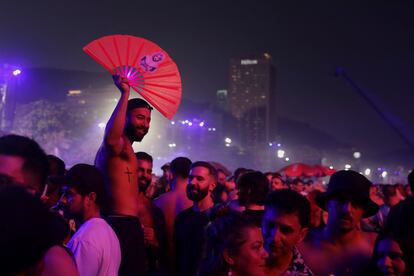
(129, 173)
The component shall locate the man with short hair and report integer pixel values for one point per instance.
(24, 161)
(231, 188)
(341, 248)
(377, 222)
(190, 223)
(166, 171)
(175, 201)
(25, 164)
(253, 188)
(129, 122)
(26, 235)
(221, 176)
(164, 181)
(298, 186)
(95, 246)
(151, 217)
(284, 226)
(56, 165)
(276, 183)
(160, 186)
(374, 194)
(52, 191)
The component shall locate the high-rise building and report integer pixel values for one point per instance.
(222, 99)
(9, 81)
(251, 98)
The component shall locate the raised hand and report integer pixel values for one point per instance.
(122, 83)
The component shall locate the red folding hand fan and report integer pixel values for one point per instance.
(149, 69)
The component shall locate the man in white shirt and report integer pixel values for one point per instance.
(95, 245)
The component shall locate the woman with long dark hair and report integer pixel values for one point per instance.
(388, 257)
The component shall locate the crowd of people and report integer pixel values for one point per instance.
(112, 218)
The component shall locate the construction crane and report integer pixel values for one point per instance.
(390, 119)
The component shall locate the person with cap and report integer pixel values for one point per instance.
(164, 185)
(161, 185)
(95, 245)
(115, 158)
(341, 248)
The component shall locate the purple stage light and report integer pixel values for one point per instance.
(201, 124)
(17, 72)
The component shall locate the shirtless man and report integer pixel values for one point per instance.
(175, 201)
(341, 248)
(129, 122)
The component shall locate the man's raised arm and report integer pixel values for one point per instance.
(115, 126)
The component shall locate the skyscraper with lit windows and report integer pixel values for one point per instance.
(251, 98)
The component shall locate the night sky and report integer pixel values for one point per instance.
(372, 40)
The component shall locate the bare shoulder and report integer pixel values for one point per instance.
(369, 237)
(106, 151)
(159, 200)
(163, 200)
(114, 146)
(58, 262)
(107, 154)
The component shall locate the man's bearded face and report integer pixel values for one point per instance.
(138, 123)
(144, 174)
(196, 193)
(200, 182)
(345, 213)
